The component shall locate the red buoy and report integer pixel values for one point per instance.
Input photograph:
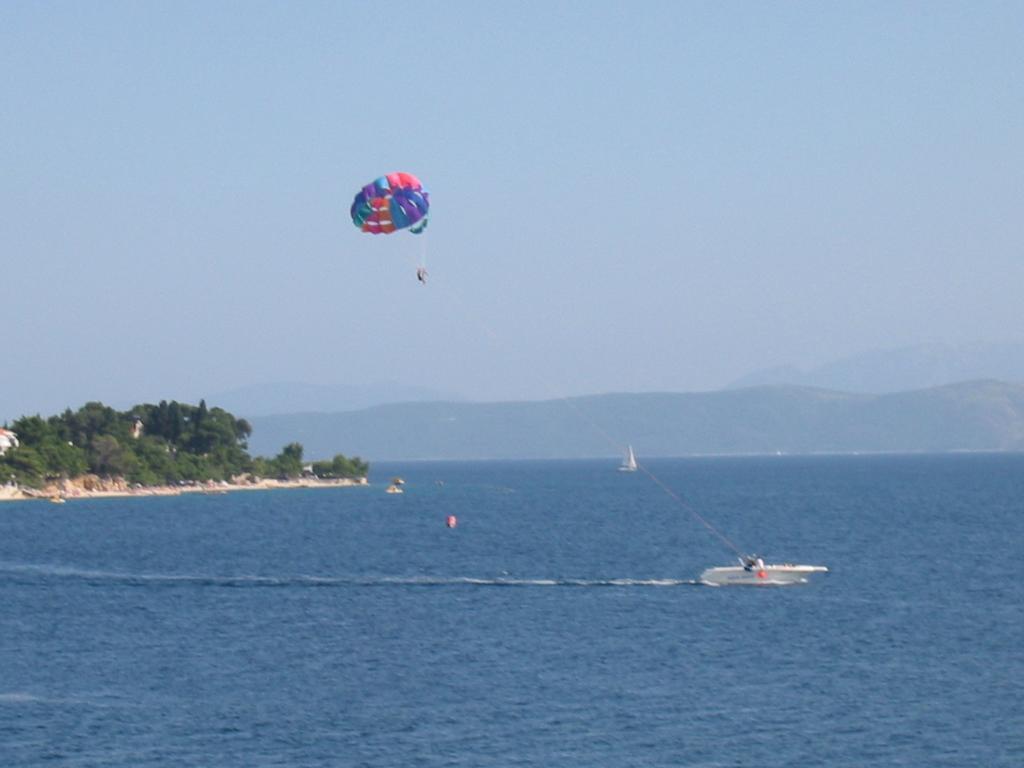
(451, 522)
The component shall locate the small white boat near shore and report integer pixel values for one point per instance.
(754, 572)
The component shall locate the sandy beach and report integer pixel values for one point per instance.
(93, 487)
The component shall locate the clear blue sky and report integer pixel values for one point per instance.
(626, 196)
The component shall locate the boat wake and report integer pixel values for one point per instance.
(36, 572)
(21, 697)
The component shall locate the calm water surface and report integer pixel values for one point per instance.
(557, 625)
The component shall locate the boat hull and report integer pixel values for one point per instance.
(768, 576)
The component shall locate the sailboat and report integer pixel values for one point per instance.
(628, 463)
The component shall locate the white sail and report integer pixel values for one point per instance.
(629, 463)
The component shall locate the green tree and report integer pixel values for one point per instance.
(175, 422)
(24, 465)
(107, 456)
(288, 462)
(62, 459)
(351, 468)
(262, 467)
(341, 467)
(33, 430)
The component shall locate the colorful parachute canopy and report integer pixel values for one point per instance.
(392, 202)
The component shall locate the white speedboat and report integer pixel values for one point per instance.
(754, 572)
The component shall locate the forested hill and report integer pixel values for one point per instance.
(981, 415)
(149, 445)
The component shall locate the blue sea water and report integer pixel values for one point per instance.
(558, 625)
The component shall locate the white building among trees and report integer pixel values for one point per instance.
(7, 440)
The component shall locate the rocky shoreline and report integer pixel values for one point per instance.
(93, 487)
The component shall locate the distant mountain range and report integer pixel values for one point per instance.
(901, 369)
(876, 372)
(970, 416)
(297, 397)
